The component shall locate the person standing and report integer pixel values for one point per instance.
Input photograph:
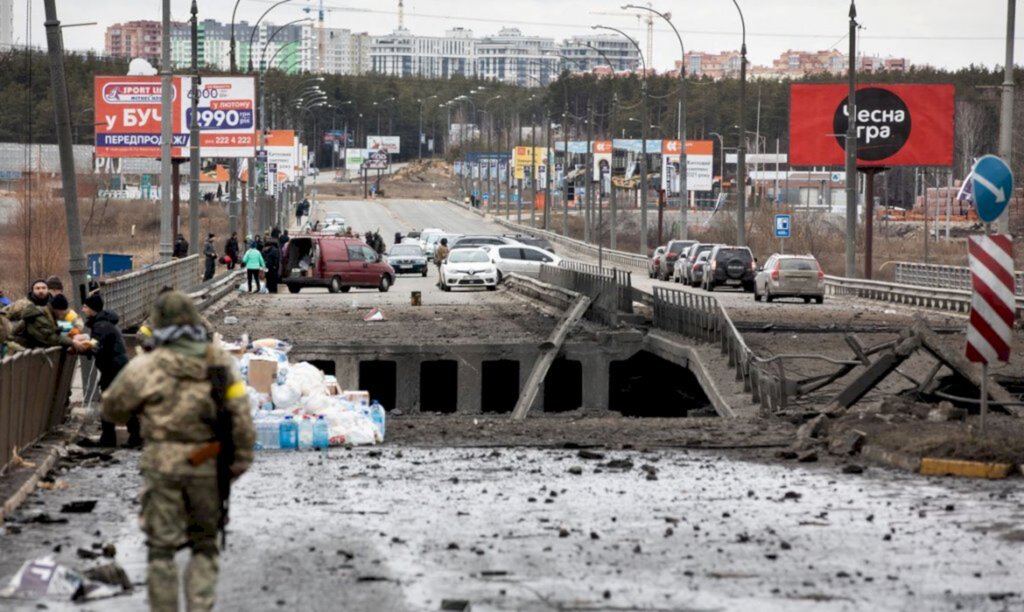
(210, 252)
(440, 254)
(36, 320)
(272, 262)
(231, 250)
(253, 262)
(199, 438)
(71, 320)
(180, 247)
(110, 356)
(283, 241)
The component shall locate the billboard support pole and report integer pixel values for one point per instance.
(193, 146)
(1006, 112)
(869, 220)
(62, 110)
(166, 136)
(851, 152)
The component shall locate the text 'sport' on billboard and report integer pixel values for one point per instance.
(897, 125)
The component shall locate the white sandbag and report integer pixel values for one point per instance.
(272, 343)
(307, 378)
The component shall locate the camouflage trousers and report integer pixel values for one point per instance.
(177, 512)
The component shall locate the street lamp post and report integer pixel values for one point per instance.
(643, 137)
(256, 27)
(851, 152)
(420, 135)
(741, 152)
(683, 188)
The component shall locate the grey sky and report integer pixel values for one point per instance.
(943, 33)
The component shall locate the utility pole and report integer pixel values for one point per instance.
(166, 136)
(534, 174)
(643, 163)
(611, 170)
(741, 153)
(851, 151)
(588, 177)
(1006, 112)
(62, 111)
(565, 168)
(548, 172)
(193, 141)
(233, 165)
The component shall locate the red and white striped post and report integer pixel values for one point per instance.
(990, 331)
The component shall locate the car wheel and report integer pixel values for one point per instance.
(335, 285)
(294, 288)
(807, 300)
(424, 272)
(445, 287)
(501, 277)
(345, 288)
(757, 296)
(492, 287)
(820, 299)
(749, 287)
(768, 295)
(709, 286)
(385, 283)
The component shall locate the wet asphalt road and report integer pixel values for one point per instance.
(515, 529)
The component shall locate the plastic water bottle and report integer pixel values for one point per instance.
(377, 415)
(261, 427)
(272, 433)
(305, 433)
(289, 433)
(321, 435)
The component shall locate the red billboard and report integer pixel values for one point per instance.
(897, 125)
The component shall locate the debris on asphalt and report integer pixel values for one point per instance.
(78, 507)
(44, 577)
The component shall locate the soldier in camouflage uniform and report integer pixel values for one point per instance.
(169, 390)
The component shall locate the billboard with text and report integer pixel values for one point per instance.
(699, 165)
(127, 117)
(227, 115)
(897, 125)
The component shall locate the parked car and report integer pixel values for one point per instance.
(521, 259)
(429, 236)
(673, 251)
(797, 276)
(685, 273)
(407, 258)
(655, 261)
(479, 240)
(698, 267)
(468, 268)
(731, 266)
(413, 235)
(539, 242)
(334, 262)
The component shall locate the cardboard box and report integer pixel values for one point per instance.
(262, 374)
(359, 398)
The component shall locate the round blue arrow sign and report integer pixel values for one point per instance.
(993, 187)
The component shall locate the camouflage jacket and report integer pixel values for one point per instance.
(169, 390)
(38, 329)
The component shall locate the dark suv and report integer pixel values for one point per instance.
(732, 266)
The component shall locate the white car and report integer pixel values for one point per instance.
(428, 237)
(468, 268)
(522, 259)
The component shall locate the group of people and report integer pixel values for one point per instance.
(169, 397)
(44, 318)
(262, 256)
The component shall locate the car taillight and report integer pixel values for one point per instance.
(775, 272)
(714, 265)
(673, 255)
(821, 273)
(695, 266)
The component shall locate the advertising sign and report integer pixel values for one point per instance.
(127, 117)
(227, 115)
(524, 158)
(897, 125)
(280, 146)
(378, 160)
(699, 165)
(602, 159)
(391, 144)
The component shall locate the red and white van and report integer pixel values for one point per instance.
(335, 262)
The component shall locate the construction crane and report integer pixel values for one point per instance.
(645, 18)
(321, 36)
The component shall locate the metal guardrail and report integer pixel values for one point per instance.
(132, 296)
(935, 298)
(703, 318)
(35, 387)
(943, 277)
(619, 258)
(610, 290)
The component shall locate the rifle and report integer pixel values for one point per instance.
(223, 445)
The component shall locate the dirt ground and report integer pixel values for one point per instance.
(427, 179)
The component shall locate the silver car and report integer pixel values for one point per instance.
(795, 276)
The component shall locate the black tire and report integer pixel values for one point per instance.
(335, 285)
(345, 288)
(501, 277)
(445, 287)
(492, 287)
(709, 286)
(749, 287)
(424, 272)
(768, 295)
(385, 283)
(807, 300)
(820, 299)
(294, 288)
(757, 296)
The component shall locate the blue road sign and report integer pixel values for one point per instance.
(993, 187)
(782, 226)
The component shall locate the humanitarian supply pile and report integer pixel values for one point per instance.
(296, 407)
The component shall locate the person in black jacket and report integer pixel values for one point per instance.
(272, 259)
(210, 252)
(231, 250)
(110, 356)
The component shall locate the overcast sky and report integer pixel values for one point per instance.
(943, 33)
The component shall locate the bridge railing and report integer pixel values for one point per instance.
(132, 296)
(935, 298)
(703, 318)
(610, 290)
(942, 277)
(621, 259)
(35, 388)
